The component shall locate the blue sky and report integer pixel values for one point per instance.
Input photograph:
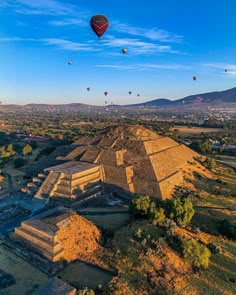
(168, 43)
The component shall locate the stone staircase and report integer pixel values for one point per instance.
(48, 185)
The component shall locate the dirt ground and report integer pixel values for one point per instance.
(26, 275)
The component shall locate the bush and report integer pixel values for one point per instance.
(228, 228)
(196, 253)
(209, 163)
(158, 216)
(86, 291)
(180, 210)
(142, 206)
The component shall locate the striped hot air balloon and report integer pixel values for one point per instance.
(99, 24)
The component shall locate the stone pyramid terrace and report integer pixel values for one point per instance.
(70, 178)
(40, 232)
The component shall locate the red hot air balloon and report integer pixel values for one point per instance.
(70, 62)
(88, 88)
(194, 78)
(105, 93)
(130, 92)
(124, 50)
(99, 24)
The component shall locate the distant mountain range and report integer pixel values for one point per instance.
(216, 98)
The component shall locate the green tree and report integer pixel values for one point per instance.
(196, 253)
(142, 205)
(209, 163)
(27, 150)
(180, 210)
(19, 162)
(158, 216)
(205, 146)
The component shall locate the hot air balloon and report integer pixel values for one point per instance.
(226, 70)
(124, 50)
(194, 78)
(88, 88)
(105, 93)
(99, 24)
(69, 62)
(138, 95)
(130, 92)
(105, 102)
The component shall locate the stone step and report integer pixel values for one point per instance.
(39, 232)
(37, 240)
(53, 256)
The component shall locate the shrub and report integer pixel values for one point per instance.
(209, 163)
(180, 210)
(158, 216)
(86, 291)
(196, 253)
(142, 206)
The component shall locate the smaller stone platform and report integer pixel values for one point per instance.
(40, 232)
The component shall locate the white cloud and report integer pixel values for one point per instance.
(69, 22)
(119, 67)
(146, 67)
(231, 68)
(152, 34)
(165, 67)
(69, 45)
(40, 7)
(221, 66)
(136, 47)
(59, 43)
(13, 39)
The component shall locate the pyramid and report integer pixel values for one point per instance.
(135, 159)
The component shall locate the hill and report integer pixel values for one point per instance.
(155, 103)
(216, 98)
(213, 98)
